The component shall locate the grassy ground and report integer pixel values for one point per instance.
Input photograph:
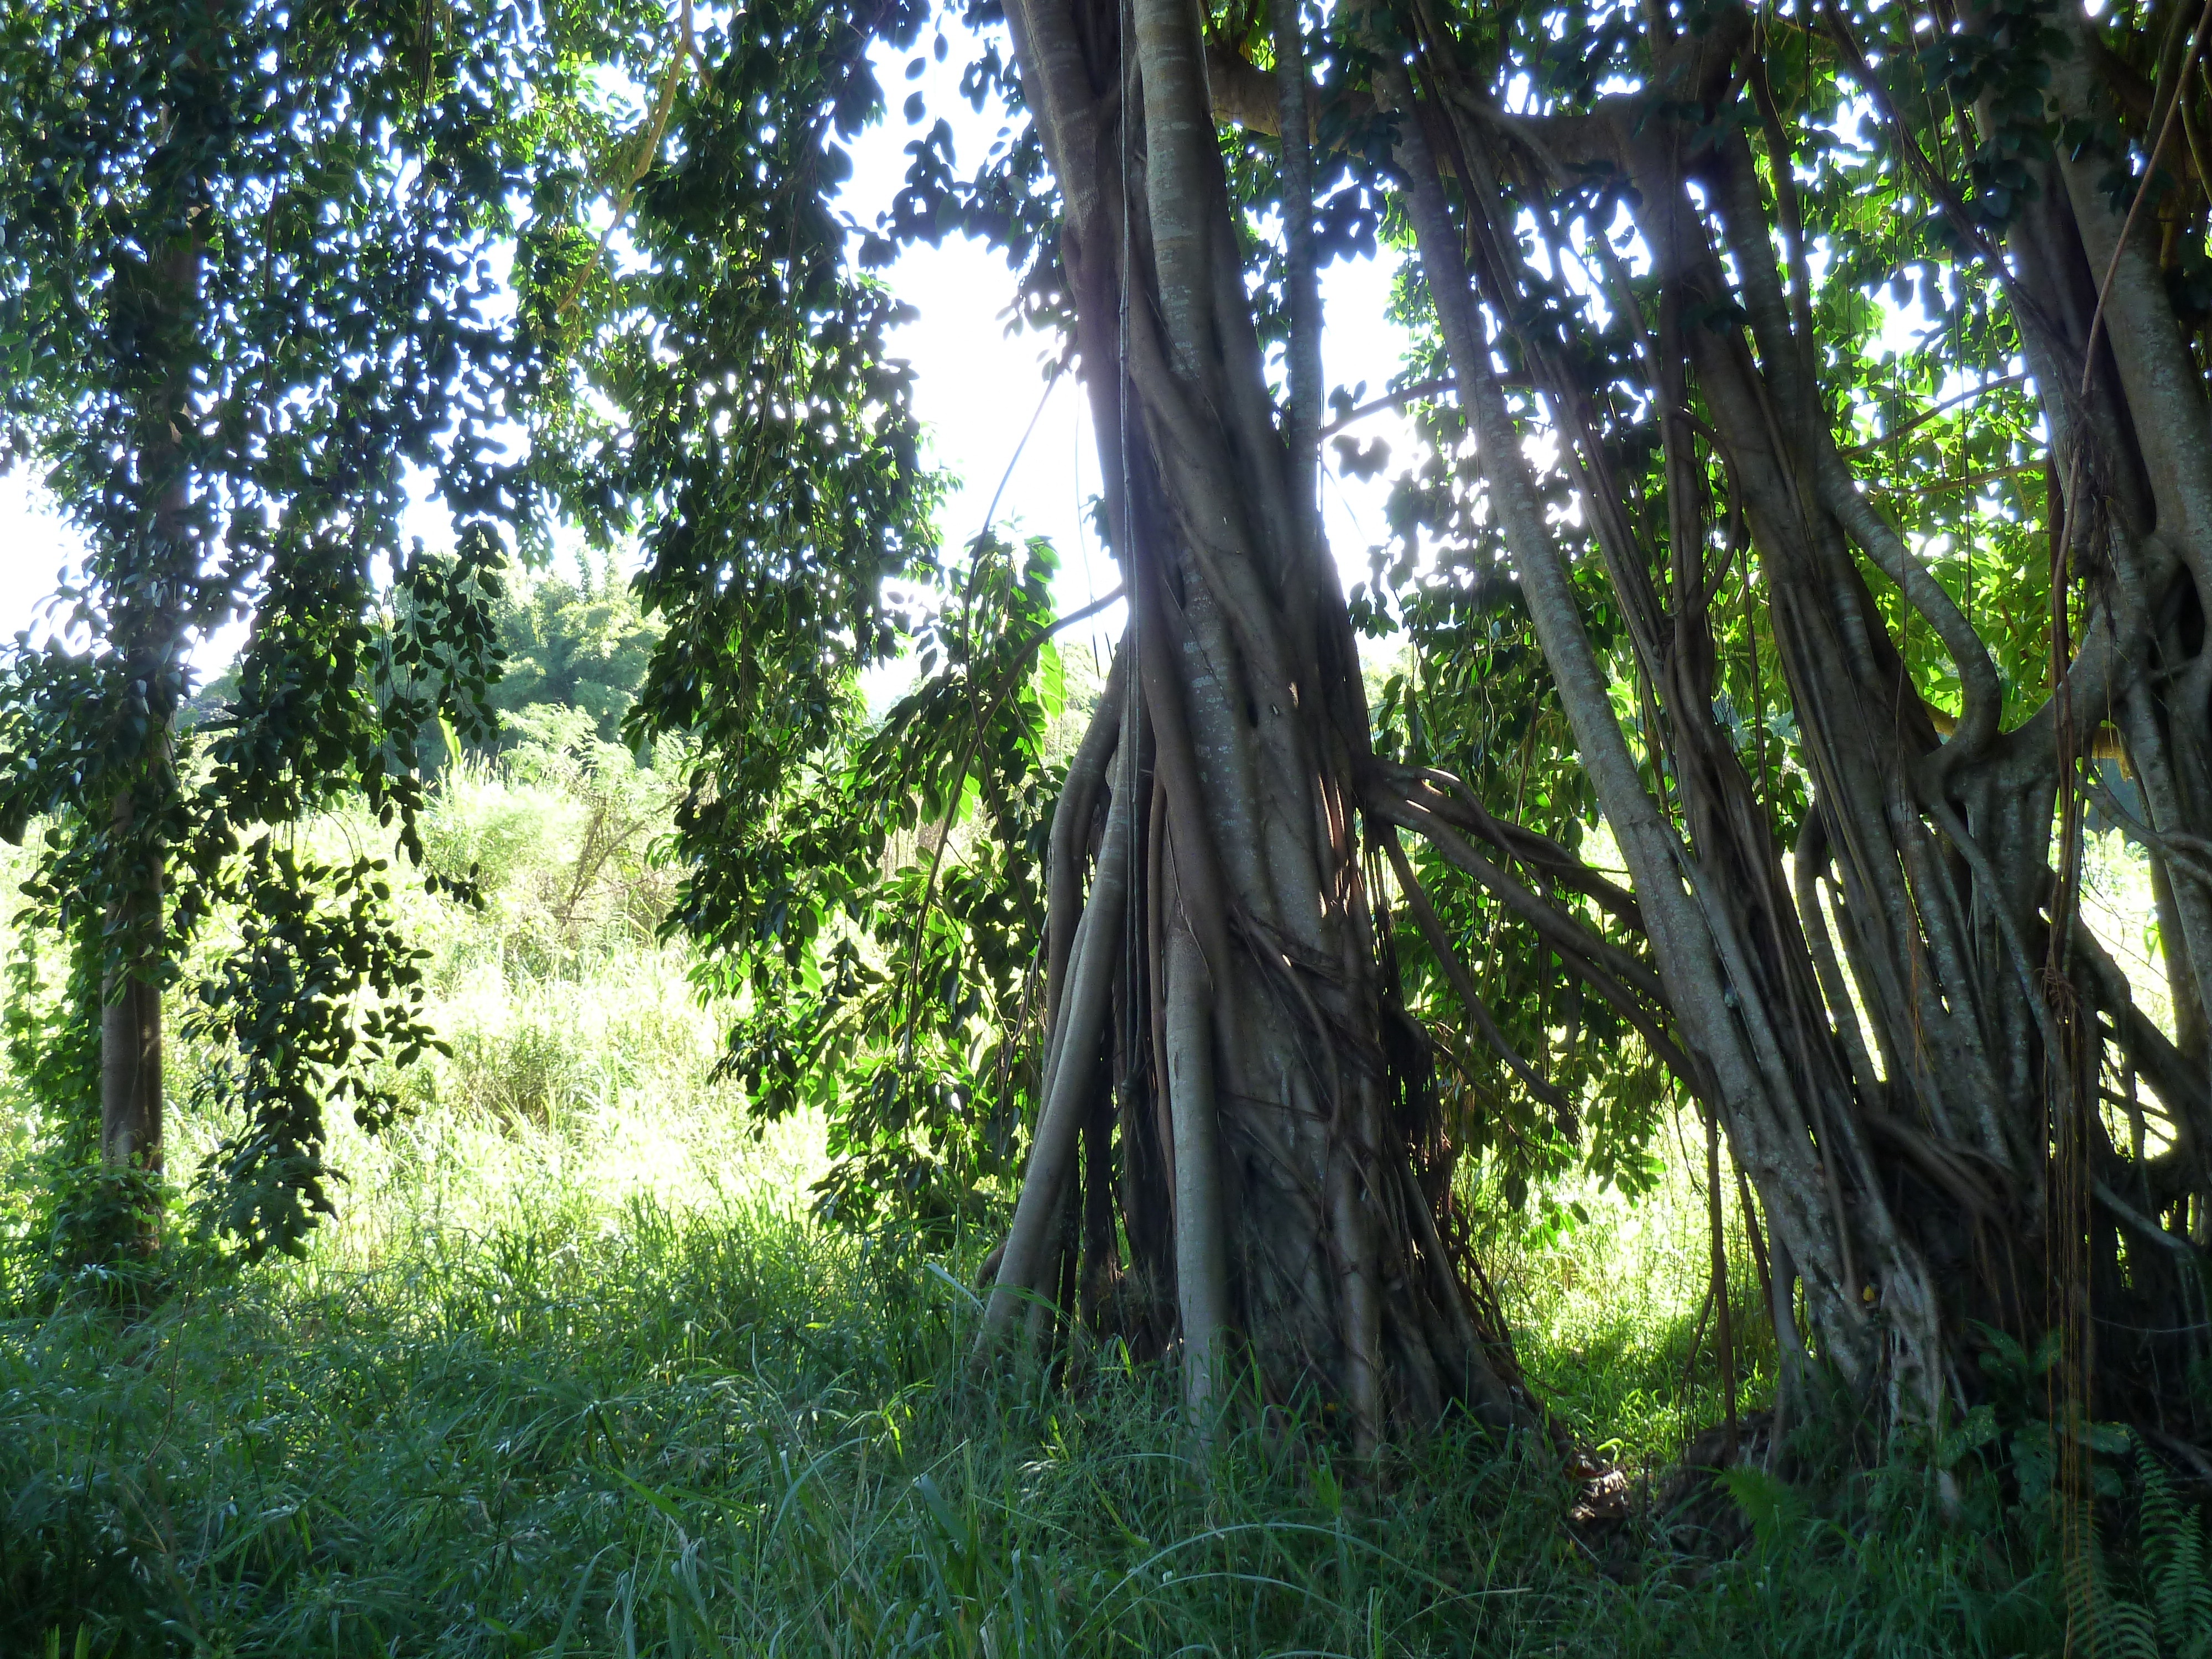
(588, 1425)
(574, 1374)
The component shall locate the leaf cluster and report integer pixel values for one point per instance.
(251, 271)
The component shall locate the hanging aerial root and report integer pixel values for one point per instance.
(1440, 946)
(1071, 825)
(1070, 1074)
(1450, 798)
(1200, 1243)
(1630, 987)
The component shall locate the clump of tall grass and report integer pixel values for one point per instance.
(1610, 1301)
(566, 1389)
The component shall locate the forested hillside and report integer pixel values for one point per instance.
(616, 1042)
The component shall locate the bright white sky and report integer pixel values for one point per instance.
(976, 388)
(33, 545)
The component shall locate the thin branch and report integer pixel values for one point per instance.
(1938, 182)
(1398, 399)
(1009, 676)
(2144, 193)
(1607, 968)
(1563, 932)
(1965, 481)
(1440, 946)
(656, 129)
(2135, 1221)
(1929, 413)
(2174, 844)
(1451, 800)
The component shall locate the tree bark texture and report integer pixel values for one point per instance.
(1948, 1162)
(130, 1096)
(1916, 1050)
(150, 638)
(1219, 974)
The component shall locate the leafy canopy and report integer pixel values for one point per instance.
(253, 300)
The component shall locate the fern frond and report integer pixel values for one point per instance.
(2125, 1630)
(2176, 1566)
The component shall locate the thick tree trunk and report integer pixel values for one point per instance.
(1909, 1038)
(1959, 1171)
(1224, 961)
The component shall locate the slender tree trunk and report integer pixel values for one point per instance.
(130, 1094)
(149, 634)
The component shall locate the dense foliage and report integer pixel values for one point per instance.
(577, 645)
(1804, 535)
(606, 1426)
(568, 1279)
(764, 450)
(251, 287)
(1810, 481)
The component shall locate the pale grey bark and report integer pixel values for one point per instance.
(1296, 1262)
(1070, 1073)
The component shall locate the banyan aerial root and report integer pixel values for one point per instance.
(1958, 1117)
(1224, 1165)
(1239, 1153)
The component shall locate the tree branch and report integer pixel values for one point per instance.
(1440, 946)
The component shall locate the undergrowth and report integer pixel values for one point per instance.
(573, 1372)
(618, 1429)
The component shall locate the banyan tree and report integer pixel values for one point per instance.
(1800, 571)
(1954, 1108)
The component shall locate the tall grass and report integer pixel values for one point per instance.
(574, 1372)
(588, 1426)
